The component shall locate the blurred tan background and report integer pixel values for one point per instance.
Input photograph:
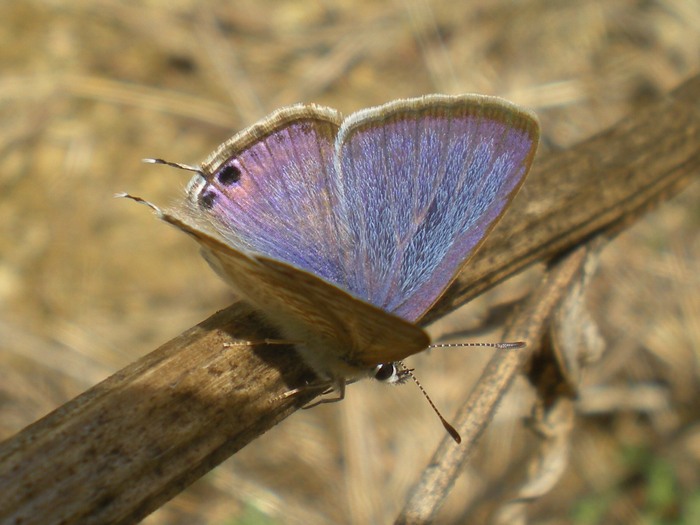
(89, 283)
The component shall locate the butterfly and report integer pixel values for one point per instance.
(345, 231)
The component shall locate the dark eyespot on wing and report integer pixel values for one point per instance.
(229, 174)
(207, 199)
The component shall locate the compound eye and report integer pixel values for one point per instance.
(386, 372)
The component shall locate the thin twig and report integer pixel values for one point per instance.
(529, 326)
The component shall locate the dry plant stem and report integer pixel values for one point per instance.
(123, 448)
(530, 324)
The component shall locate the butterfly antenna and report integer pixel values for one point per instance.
(450, 429)
(500, 346)
(177, 165)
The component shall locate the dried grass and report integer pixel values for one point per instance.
(88, 284)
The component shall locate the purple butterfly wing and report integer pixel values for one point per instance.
(268, 189)
(422, 183)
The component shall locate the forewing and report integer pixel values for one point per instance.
(422, 183)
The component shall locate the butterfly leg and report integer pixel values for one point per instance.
(245, 342)
(335, 386)
(327, 386)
